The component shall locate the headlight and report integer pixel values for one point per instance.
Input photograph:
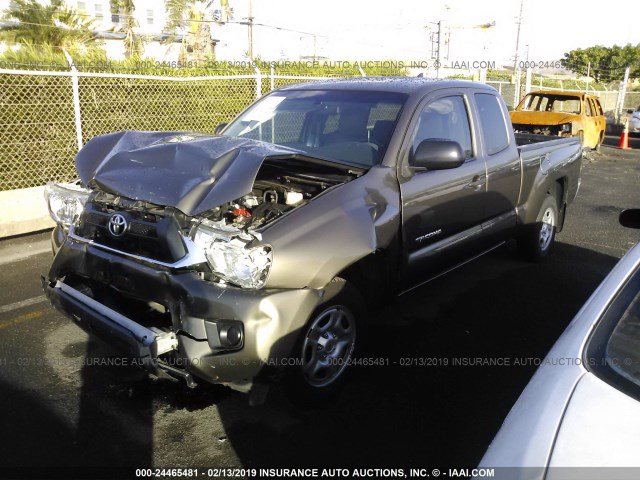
(565, 127)
(65, 202)
(232, 260)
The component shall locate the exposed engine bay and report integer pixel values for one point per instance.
(280, 186)
(156, 232)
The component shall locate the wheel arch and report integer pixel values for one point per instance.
(372, 275)
(560, 190)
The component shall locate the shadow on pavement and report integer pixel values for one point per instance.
(406, 412)
(115, 423)
(24, 414)
(428, 413)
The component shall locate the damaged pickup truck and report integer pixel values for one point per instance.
(226, 258)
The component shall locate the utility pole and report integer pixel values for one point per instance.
(250, 29)
(515, 62)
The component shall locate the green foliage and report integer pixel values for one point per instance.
(460, 76)
(47, 57)
(133, 43)
(499, 75)
(176, 10)
(607, 64)
(52, 24)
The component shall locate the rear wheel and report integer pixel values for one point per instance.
(326, 347)
(538, 238)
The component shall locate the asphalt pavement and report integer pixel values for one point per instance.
(423, 405)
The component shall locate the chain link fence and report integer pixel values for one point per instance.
(39, 135)
(45, 118)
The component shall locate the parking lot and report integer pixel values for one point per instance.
(433, 402)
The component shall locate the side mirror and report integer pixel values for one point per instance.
(219, 128)
(437, 155)
(630, 218)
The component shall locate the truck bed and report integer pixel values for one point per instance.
(548, 154)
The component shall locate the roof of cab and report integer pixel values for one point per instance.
(387, 84)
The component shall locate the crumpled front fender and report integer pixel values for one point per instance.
(312, 244)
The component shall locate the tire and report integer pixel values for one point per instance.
(326, 346)
(536, 242)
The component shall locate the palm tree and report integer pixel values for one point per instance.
(191, 16)
(54, 24)
(133, 44)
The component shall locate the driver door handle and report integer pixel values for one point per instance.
(476, 183)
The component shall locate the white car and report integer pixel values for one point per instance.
(581, 409)
(634, 120)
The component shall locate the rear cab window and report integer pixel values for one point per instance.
(493, 125)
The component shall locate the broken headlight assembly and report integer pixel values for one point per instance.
(65, 202)
(230, 257)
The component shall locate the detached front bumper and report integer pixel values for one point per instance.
(189, 344)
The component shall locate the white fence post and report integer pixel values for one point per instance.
(76, 98)
(272, 80)
(258, 81)
(516, 90)
(527, 81)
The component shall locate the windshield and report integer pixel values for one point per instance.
(551, 103)
(343, 126)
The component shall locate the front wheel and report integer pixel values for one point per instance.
(326, 346)
(536, 242)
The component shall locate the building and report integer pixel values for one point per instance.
(150, 20)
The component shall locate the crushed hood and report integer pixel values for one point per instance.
(191, 172)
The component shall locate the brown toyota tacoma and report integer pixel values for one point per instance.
(253, 254)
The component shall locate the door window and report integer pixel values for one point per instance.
(446, 118)
(587, 103)
(598, 107)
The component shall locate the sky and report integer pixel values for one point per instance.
(400, 29)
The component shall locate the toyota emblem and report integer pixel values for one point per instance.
(117, 225)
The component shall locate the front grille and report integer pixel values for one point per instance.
(148, 235)
(143, 229)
